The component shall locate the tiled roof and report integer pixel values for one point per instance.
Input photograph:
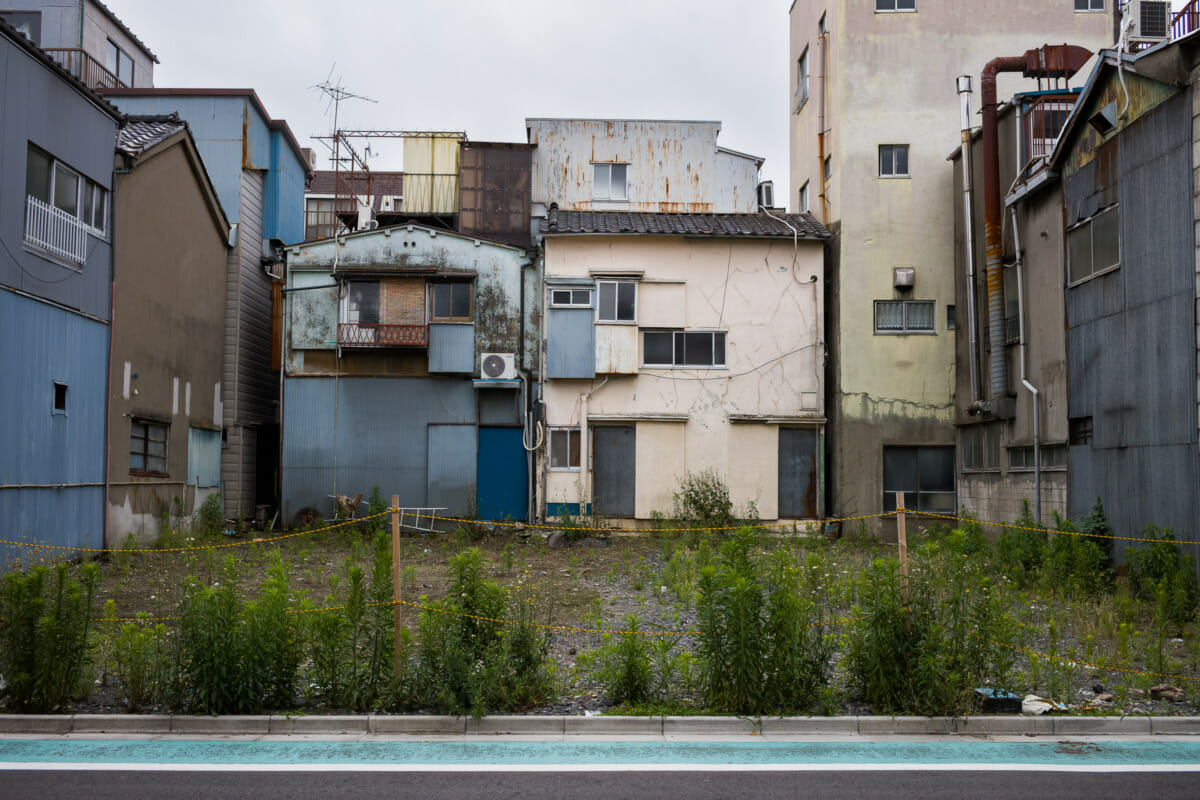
(748, 226)
(389, 183)
(139, 133)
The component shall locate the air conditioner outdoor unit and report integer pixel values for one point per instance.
(498, 366)
(1149, 19)
(766, 194)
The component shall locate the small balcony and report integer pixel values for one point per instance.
(83, 66)
(1042, 121)
(55, 231)
(353, 334)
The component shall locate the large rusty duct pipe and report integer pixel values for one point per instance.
(1048, 61)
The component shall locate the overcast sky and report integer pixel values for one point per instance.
(483, 66)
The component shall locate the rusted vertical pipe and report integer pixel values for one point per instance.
(821, 45)
(993, 221)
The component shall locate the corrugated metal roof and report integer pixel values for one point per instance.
(139, 133)
(389, 183)
(741, 226)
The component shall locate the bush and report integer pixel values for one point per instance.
(625, 670)
(141, 663)
(703, 500)
(1021, 549)
(46, 617)
(1160, 572)
(209, 630)
(760, 650)
(1075, 565)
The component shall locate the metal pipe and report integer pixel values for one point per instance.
(964, 95)
(821, 44)
(1037, 409)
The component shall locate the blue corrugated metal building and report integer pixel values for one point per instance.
(55, 279)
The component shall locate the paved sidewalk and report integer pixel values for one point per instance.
(574, 726)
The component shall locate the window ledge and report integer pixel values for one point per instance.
(618, 322)
(565, 469)
(981, 470)
(33, 249)
(692, 367)
(906, 333)
(1030, 470)
(1104, 271)
(904, 177)
(895, 11)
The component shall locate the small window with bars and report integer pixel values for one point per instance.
(904, 316)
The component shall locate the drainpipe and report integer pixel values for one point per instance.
(821, 44)
(1045, 62)
(584, 453)
(1037, 410)
(964, 95)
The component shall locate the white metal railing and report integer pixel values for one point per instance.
(55, 230)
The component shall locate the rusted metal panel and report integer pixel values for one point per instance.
(357, 334)
(494, 195)
(616, 349)
(431, 175)
(1142, 94)
(672, 166)
(452, 348)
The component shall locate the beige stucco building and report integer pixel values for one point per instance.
(874, 111)
(678, 343)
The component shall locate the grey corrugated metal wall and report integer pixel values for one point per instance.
(452, 348)
(451, 475)
(381, 437)
(571, 343)
(1131, 337)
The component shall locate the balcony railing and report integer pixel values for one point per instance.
(1186, 20)
(1042, 122)
(352, 334)
(83, 66)
(55, 231)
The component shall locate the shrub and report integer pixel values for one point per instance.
(208, 519)
(625, 670)
(272, 645)
(1021, 549)
(209, 622)
(44, 636)
(759, 649)
(1159, 571)
(703, 500)
(141, 663)
(1074, 565)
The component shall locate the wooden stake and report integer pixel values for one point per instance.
(396, 577)
(902, 541)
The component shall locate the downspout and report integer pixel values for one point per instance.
(993, 223)
(1037, 410)
(964, 95)
(82, 9)
(821, 44)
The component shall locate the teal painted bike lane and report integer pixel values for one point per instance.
(1090, 755)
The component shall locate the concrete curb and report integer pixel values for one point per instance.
(563, 726)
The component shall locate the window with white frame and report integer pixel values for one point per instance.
(616, 301)
(904, 316)
(118, 62)
(61, 207)
(1089, 5)
(609, 181)
(571, 298)
(673, 348)
(803, 206)
(1094, 245)
(893, 161)
(564, 448)
(895, 5)
(801, 96)
(147, 447)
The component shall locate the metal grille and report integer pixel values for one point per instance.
(358, 335)
(55, 230)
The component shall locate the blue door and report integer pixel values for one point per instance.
(500, 474)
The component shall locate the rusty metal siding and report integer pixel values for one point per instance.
(494, 194)
(452, 348)
(374, 429)
(570, 343)
(314, 312)
(1131, 335)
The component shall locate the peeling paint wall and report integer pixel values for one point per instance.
(672, 166)
(766, 297)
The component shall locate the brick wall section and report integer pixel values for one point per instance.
(402, 301)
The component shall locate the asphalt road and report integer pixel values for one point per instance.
(46, 785)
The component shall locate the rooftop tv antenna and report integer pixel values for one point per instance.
(336, 92)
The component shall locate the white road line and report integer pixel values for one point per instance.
(84, 766)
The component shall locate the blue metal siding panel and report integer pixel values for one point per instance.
(570, 343)
(452, 348)
(1131, 338)
(452, 459)
(71, 517)
(204, 457)
(381, 440)
(500, 473)
(283, 211)
(41, 108)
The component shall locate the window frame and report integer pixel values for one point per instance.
(913, 498)
(574, 436)
(1089, 224)
(905, 330)
(84, 185)
(119, 56)
(572, 303)
(802, 81)
(146, 440)
(827, 169)
(1091, 6)
(677, 355)
(607, 168)
(450, 286)
(803, 199)
(892, 150)
(616, 309)
(984, 438)
(1024, 453)
(880, 9)
(60, 392)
